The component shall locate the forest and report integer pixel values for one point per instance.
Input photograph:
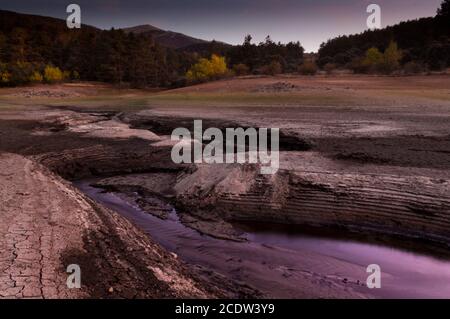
(41, 49)
(36, 49)
(423, 44)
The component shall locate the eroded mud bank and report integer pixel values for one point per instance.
(289, 262)
(314, 186)
(48, 225)
(311, 187)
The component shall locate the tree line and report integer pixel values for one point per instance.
(423, 43)
(41, 49)
(267, 57)
(36, 49)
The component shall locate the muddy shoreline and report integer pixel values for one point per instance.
(277, 252)
(381, 176)
(99, 156)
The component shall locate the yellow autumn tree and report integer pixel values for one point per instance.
(218, 65)
(385, 62)
(199, 71)
(373, 59)
(5, 77)
(36, 77)
(53, 74)
(392, 57)
(207, 69)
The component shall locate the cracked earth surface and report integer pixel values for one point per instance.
(47, 225)
(35, 230)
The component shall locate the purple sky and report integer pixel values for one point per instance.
(309, 21)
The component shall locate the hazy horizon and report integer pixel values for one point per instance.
(310, 22)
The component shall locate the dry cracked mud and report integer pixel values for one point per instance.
(382, 170)
(47, 225)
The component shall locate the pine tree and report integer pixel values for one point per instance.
(444, 10)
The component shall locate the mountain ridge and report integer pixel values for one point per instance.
(167, 38)
(175, 40)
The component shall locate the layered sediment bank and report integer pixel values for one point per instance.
(409, 206)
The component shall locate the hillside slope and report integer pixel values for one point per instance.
(10, 20)
(165, 38)
(30, 43)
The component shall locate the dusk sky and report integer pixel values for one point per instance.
(309, 21)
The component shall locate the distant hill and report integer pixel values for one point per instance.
(37, 49)
(143, 29)
(10, 20)
(165, 38)
(144, 56)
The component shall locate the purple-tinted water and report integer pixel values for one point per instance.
(404, 273)
(276, 262)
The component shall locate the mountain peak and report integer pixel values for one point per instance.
(142, 29)
(165, 38)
